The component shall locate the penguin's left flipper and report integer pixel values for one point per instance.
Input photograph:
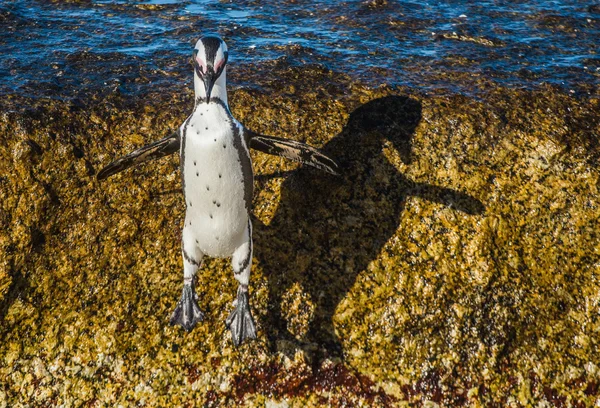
(156, 150)
(293, 150)
(240, 322)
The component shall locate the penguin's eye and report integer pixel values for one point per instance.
(201, 65)
(220, 65)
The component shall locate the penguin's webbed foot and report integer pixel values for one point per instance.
(240, 321)
(187, 313)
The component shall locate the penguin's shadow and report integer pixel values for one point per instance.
(327, 229)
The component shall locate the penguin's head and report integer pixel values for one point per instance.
(210, 58)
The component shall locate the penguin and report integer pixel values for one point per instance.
(217, 180)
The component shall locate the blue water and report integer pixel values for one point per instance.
(61, 50)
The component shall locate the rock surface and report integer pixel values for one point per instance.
(456, 260)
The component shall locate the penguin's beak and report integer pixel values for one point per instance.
(209, 82)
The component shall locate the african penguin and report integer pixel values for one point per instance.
(217, 178)
(217, 184)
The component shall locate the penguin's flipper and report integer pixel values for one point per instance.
(290, 149)
(156, 150)
(240, 322)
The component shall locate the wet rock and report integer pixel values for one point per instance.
(454, 261)
(489, 42)
(5, 281)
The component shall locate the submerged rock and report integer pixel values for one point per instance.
(456, 259)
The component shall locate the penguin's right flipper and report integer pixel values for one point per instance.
(156, 150)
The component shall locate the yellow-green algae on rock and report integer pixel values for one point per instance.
(455, 261)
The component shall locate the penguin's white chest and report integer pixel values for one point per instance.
(215, 182)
